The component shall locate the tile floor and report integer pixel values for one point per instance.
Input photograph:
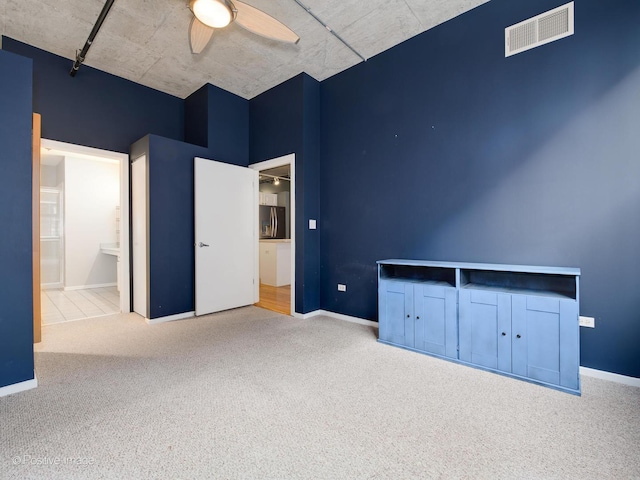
(60, 306)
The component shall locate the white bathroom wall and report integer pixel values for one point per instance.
(48, 176)
(60, 175)
(91, 194)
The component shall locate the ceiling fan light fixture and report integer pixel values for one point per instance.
(213, 13)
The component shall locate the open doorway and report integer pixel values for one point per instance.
(276, 225)
(84, 232)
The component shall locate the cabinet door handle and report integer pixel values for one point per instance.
(417, 318)
(408, 316)
(518, 336)
(504, 334)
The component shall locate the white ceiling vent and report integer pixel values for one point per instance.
(544, 28)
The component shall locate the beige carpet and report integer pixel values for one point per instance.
(250, 394)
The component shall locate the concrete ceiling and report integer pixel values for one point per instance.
(147, 41)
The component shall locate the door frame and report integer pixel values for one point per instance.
(290, 160)
(35, 227)
(123, 159)
(140, 213)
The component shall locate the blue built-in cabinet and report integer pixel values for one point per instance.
(520, 321)
(419, 316)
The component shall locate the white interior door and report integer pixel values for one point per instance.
(139, 234)
(226, 236)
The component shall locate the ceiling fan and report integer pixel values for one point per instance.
(211, 14)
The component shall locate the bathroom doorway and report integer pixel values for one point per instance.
(84, 232)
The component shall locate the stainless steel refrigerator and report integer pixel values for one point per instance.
(272, 222)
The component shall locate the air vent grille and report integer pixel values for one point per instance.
(524, 35)
(544, 28)
(553, 25)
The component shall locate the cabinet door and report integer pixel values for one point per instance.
(545, 339)
(396, 312)
(268, 261)
(271, 199)
(436, 320)
(485, 328)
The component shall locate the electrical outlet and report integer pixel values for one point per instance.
(587, 321)
(312, 224)
(342, 288)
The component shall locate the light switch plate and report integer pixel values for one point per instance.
(587, 321)
(312, 224)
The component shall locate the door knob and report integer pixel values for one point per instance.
(202, 245)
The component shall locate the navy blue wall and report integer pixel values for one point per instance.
(308, 171)
(285, 120)
(439, 148)
(16, 274)
(171, 257)
(443, 149)
(196, 117)
(228, 127)
(218, 120)
(100, 110)
(94, 108)
(171, 227)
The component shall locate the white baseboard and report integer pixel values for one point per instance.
(19, 387)
(612, 377)
(85, 287)
(170, 318)
(338, 316)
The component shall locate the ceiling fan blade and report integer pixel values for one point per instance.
(199, 35)
(257, 21)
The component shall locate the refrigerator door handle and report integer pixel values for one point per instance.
(275, 232)
(273, 223)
